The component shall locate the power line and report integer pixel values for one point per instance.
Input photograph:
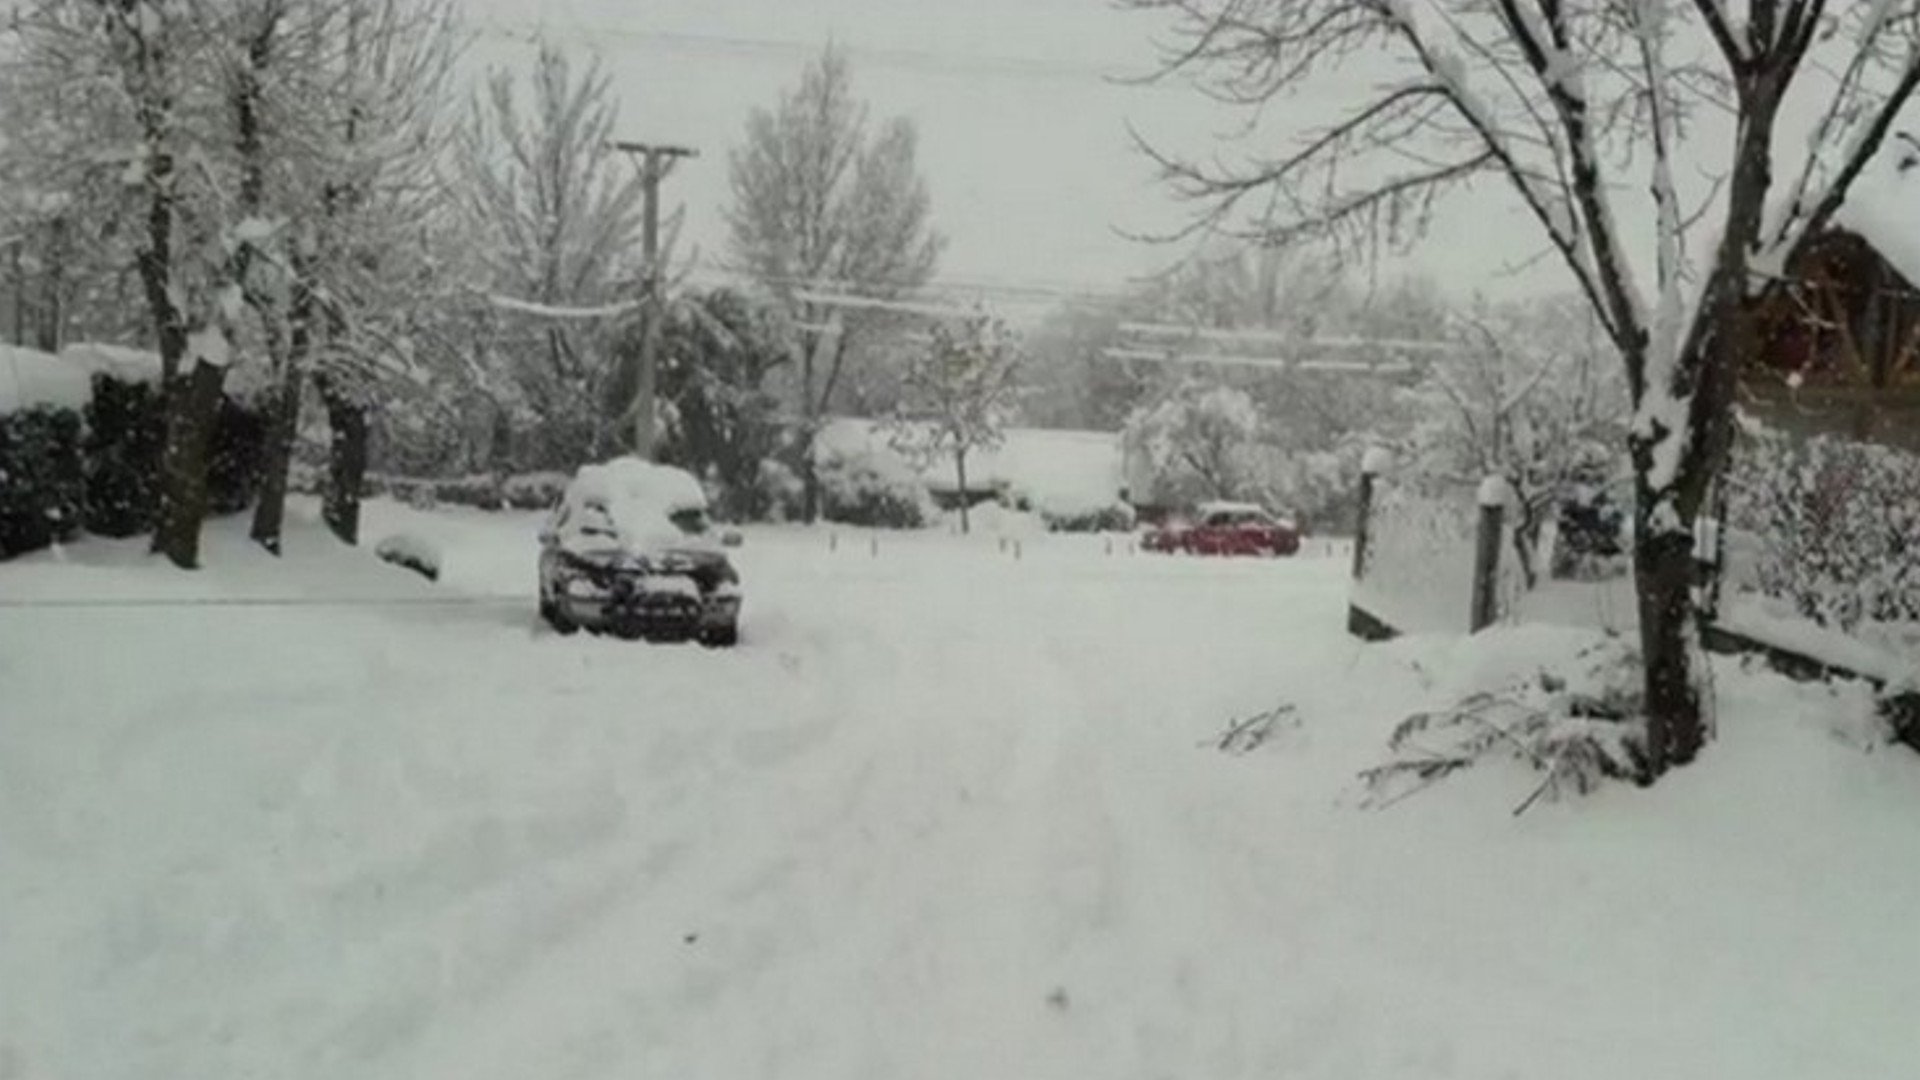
(1190, 332)
(1262, 363)
(920, 60)
(1038, 290)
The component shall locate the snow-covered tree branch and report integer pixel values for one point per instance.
(1575, 107)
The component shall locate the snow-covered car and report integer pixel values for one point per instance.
(629, 550)
(1226, 528)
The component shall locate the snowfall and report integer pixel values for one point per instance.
(953, 809)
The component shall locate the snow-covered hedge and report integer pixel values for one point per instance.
(483, 491)
(84, 435)
(126, 431)
(1835, 527)
(1118, 517)
(874, 488)
(42, 478)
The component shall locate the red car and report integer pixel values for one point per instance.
(1223, 528)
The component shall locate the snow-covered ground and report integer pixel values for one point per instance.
(947, 812)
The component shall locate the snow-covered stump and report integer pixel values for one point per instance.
(1492, 499)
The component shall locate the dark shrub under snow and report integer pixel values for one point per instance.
(42, 478)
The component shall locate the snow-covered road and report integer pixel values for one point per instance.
(946, 813)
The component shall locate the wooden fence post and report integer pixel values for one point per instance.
(1371, 466)
(1363, 624)
(1492, 498)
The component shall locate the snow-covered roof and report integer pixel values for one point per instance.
(1883, 208)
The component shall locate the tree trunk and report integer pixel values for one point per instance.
(193, 400)
(346, 463)
(809, 484)
(1663, 571)
(269, 514)
(809, 476)
(52, 317)
(283, 422)
(960, 474)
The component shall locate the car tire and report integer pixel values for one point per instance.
(721, 637)
(556, 618)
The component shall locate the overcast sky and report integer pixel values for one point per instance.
(1023, 130)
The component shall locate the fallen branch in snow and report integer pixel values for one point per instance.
(1577, 733)
(1248, 735)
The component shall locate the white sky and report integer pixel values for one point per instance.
(1023, 132)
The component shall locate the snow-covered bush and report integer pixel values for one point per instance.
(533, 491)
(233, 457)
(779, 490)
(126, 430)
(415, 553)
(479, 490)
(1898, 707)
(1115, 517)
(1201, 441)
(1836, 524)
(42, 478)
(1576, 720)
(1317, 489)
(874, 488)
(97, 464)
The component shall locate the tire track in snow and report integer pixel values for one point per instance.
(722, 889)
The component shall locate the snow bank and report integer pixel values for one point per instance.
(1773, 622)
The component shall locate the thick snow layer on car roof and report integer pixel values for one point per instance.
(639, 496)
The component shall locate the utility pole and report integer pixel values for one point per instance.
(654, 162)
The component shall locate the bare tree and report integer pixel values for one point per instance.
(1572, 104)
(1200, 440)
(1530, 396)
(960, 391)
(355, 124)
(821, 206)
(554, 213)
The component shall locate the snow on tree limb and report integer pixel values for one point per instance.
(562, 311)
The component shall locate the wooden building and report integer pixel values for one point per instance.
(1840, 333)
